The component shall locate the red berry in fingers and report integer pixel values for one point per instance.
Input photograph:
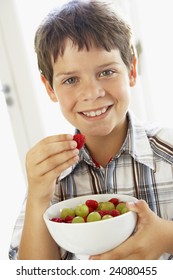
(80, 139)
(91, 203)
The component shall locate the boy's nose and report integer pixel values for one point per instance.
(92, 90)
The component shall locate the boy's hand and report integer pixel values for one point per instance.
(46, 161)
(151, 239)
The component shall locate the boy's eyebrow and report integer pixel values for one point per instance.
(75, 72)
(108, 64)
(65, 73)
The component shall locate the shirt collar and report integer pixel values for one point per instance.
(136, 144)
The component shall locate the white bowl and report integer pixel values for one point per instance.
(94, 237)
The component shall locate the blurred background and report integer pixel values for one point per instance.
(26, 113)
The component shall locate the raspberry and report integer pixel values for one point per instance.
(80, 139)
(114, 213)
(103, 212)
(90, 209)
(114, 200)
(91, 203)
(57, 220)
(68, 219)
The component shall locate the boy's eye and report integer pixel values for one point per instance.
(106, 73)
(70, 81)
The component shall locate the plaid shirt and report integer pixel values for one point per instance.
(143, 168)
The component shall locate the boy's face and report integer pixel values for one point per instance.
(93, 89)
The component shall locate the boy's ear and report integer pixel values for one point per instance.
(49, 89)
(133, 72)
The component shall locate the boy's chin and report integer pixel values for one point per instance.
(99, 132)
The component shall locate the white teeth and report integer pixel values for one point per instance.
(95, 113)
(92, 114)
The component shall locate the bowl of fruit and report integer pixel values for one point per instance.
(91, 224)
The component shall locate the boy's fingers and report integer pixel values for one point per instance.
(53, 149)
(58, 160)
(140, 207)
(49, 147)
(57, 138)
(144, 213)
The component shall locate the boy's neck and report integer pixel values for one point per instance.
(102, 149)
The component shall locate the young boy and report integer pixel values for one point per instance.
(87, 63)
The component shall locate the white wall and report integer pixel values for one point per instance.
(12, 183)
(51, 118)
(156, 23)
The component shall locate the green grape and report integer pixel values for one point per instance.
(93, 217)
(124, 210)
(78, 219)
(81, 210)
(105, 217)
(67, 212)
(99, 205)
(107, 205)
(120, 206)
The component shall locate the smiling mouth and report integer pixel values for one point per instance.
(95, 113)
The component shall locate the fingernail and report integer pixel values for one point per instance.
(130, 203)
(74, 144)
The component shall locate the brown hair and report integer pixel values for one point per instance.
(85, 23)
